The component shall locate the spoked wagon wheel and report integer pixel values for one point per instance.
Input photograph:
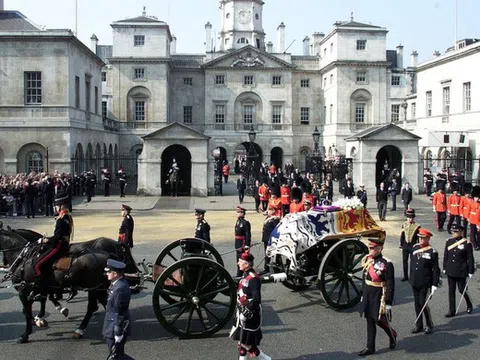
(204, 298)
(295, 283)
(340, 274)
(174, 252)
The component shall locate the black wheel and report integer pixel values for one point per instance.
(176, 251)
(295, 283)
(340, 275)
(204, 298)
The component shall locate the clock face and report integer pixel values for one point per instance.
(244, 16)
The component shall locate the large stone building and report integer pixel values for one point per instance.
(158, 105)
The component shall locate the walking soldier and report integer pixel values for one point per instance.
(424, 276)
(408, 238)
(439, 203)
(125, 234)
(242, 235)
(378, 292)
(458, 264)
(247, 329)
(453, 204)
(202, 231)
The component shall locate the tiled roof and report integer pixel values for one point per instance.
(16, 21)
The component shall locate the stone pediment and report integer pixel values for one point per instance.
(176, 131)
(388, 132)
(248, 57)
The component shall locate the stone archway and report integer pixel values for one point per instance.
(33, 156)
(276, 157)
(258, 159)
(184, 160)
(389, 158)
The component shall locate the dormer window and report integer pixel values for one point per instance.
(139, 40)
(242, 41)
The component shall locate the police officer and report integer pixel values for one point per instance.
(242, 235)
(378, 292)
(408, 238)
(424, 277)
(116, 326)
(270, 223)
(125, 234)
(458, 264)
(247, 329)
(202, 230)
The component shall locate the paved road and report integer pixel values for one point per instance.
(296, 325)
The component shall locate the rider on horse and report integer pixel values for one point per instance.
(56, 246)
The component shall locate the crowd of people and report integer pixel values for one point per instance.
(31, 194)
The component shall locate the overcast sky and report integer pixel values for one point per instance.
(422, 25)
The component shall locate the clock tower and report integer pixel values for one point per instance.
(241, 24)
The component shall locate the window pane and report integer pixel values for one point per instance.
(140, 110)
(304, 115)
(360, 112)
(33, 87)
(277, 114)
(248, 114)
(220, 114)
(34, 162)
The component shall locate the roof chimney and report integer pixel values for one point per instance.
(437, 53)
(270, 47)
(281, 38)
(400, 56)
(173, 45)
(414, 59)
(317, 39)
(208, 37)
(93, 42)
(306, 46)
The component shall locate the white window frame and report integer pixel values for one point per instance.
(396, 80)
(140, 110)
(446, 100)
(305, 115)
(220, 114)
(188, 114)
(188, 81)
(277, 80)
(305, 83)
(360, 112)
(467, 96)
(220, 80)
(277, 114)
(248, 80)
(395, 113)
(361, 77)
(413, 110)
(428, 103)
(138, 40)
(33, 87)
(139, 74)
(361, 44)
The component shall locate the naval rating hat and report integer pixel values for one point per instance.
(114, 265)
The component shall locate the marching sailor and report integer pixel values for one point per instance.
(424, 276)
(458, 264)
(243, 235)
(408, 238)
(248, 320)
(378, 292)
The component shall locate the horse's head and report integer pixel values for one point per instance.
(11, 244)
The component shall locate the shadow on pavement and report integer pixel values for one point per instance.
(324, 356)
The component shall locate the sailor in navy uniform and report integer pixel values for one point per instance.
(378, 292)
(115, 326)
(424, 277)
(247, 328)
(458, 264)
(242, 235)
(125, 234)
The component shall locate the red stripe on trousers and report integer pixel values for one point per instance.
(49, 256)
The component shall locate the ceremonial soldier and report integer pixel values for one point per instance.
(428, 180)
(458, 264)
(226, 171)
(107, 179)
(474, 220)
(202, 231)
(408, 238)
(275, 202)
(378, 292)
(243, 235)
(247, 329)
(116, 326)
(285, 194)
(270, 223)
(296, 205)
(264, 194)
(439, 203)
(453, 207)
(424, 276)
(307, 205)
(125, 234)
(465, 210)
(122, 178)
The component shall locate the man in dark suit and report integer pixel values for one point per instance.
(241, 186)
(458, 264)
(116, 327)
(382, 198)
(406, 196)
(125, 234)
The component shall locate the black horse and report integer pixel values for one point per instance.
(85, 272)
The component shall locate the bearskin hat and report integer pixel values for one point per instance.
(476, 191)
(297, 193)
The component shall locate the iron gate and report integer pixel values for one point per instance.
(113, 164)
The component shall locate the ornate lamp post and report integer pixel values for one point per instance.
(251, 157)
(316, 158)
(217, 175)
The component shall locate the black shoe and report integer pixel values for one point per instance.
(428, 330)
(393, 342)
(404, 279)
(449, 315)
(417, 329)
(366, 352)
(73, 293)
(469, 309)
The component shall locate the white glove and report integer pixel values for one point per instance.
(242, 318)
(388, 307)
(434, 288)
(444, 272)
(118, 338)
(470, 275)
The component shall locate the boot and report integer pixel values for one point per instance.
(262, 356)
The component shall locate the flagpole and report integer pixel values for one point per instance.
(76, 18)
(456, 23)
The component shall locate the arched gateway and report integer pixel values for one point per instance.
(183, 158)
